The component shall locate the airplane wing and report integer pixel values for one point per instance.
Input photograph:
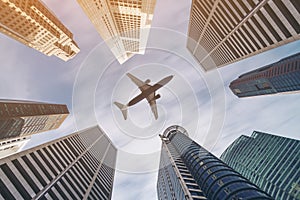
(141, 84)
(152, 101)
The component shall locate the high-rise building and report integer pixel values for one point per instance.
(33, 24)
(223, 32)
(280, 77)
(188, 171)
(78, 166)
(11, 146)
(123, 24)
(20, 118)
(271, 162)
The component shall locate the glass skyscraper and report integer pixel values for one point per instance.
(188, 171)
(78, 166)
(271, 162)
(282, 76)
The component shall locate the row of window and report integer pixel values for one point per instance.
(13, 109)
(215, 178)
(283, 68)
(166, 186)
(12, 141)
(41, 167)
(286, 82)
(257, 33)
(271, 162)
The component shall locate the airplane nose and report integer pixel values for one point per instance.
(169, 78)
(165, 80)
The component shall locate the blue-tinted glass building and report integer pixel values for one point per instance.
(188, 171)
(279, 77)
(271, 162)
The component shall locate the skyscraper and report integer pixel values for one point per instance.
(223, 32)
(78, 166)
(282, 76)
(123, 24)
(188, 171)
(33, 24)
(271, 162)
(19, 118)
(11, 146)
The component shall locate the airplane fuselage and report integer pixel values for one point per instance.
(147, 92)
(141, 96)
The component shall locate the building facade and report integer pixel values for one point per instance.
(123, 24)
(11, 146)
(223, 32)
(188, 171)
(271, 162)
(280, 77)
(20, 118)
(78, 166)
(33, 24)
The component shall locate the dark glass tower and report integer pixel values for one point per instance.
(188, 171)
(279, 77)
(78, 166)
(271, 162)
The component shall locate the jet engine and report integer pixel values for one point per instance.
(157, 96)
(147, 81)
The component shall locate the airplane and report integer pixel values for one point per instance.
(147, 92)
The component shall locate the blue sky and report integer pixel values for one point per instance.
(201, 102)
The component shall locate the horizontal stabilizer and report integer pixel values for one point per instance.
(123, 108)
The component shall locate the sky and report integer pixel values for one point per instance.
(201, 102)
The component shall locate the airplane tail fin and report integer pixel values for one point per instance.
(123, 108)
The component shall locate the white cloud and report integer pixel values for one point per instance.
(132, 186)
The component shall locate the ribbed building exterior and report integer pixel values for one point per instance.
(33, 24)
(123, 24)
(280, 77)
(19, 118)
(223, 32)
(78, 166)
(271, 162)
(188, 171)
